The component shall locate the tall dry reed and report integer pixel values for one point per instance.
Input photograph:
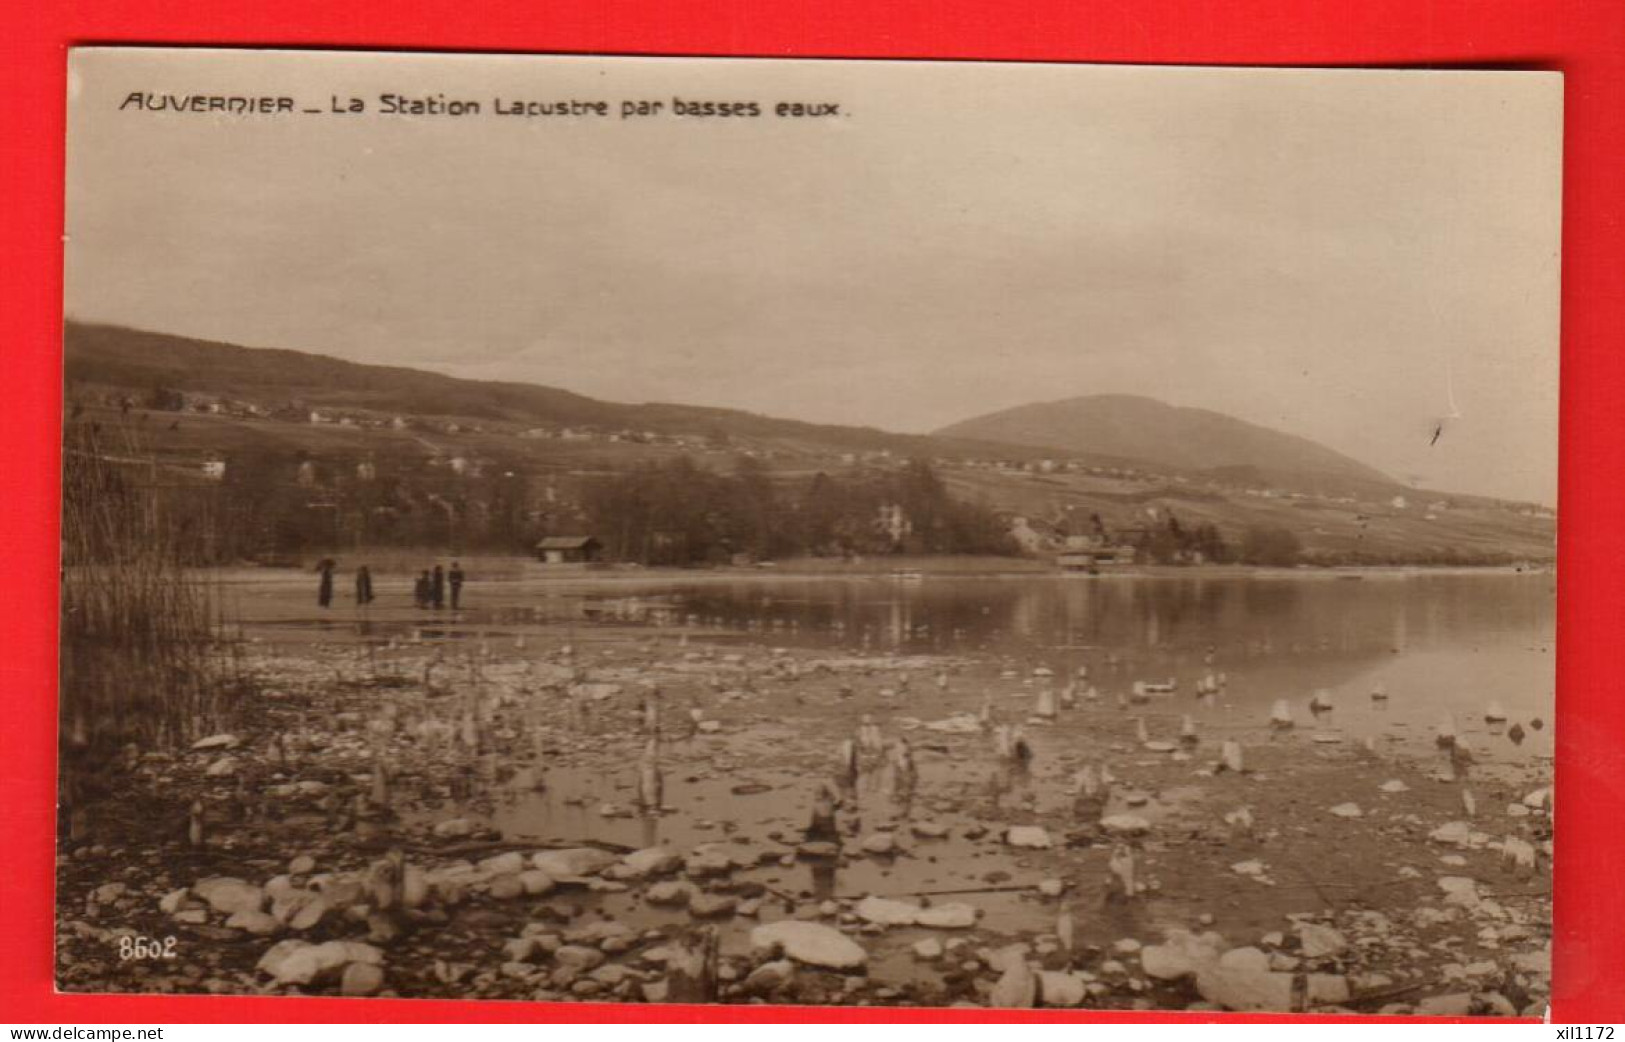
(140, 661)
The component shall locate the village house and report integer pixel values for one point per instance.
(1085, 553)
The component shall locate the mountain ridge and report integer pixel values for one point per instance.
(1182, 438)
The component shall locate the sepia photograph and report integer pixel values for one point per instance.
(808, 532)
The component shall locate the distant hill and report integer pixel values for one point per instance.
(1166, 436)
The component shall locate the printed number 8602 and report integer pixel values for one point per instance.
(145, 948)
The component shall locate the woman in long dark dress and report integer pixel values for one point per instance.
(324, 592)
(363, 585)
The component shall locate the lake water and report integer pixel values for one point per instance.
(1443, 645)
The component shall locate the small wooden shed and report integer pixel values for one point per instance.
(569, 549)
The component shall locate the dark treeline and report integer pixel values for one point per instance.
(1175, 543)
(275, 505)
(676, 513)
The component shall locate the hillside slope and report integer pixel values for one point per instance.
(113, 356)
(1181, 439)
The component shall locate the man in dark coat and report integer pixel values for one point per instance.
(420, 590)
(437, 587)
(456, 577)
(363, 585)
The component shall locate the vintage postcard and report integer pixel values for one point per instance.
(816, 532)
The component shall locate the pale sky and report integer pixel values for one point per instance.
(1349, 256)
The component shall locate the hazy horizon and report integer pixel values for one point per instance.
(1352, 257)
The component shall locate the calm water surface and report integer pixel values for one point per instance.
(1444, 645)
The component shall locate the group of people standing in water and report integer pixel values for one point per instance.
(428, 590)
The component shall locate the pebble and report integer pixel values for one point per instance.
(1029, 836)
(668, 893)
(1061, 989)
(712, 906)
(880, 843)
(1320, 941)
(1125, 824)
(578, 957)
(361, 979)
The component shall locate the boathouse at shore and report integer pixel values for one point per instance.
(569, 549)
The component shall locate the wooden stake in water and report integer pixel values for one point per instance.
(822, 826)
(847, 768)
(1064, 931)
(1121, 885)
(380, 780)
(651, 784)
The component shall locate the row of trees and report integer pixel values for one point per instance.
(1175, 543)
(677, 513)
(271, 506)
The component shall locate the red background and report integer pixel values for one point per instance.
(1584, 39)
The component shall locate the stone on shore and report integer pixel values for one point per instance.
(361, 979)
(1061, 989)
(650, 861)
(1244, 989)
(1017, 989)
(1182, 954)
(574, 864)
(1125, 825)
(1321, 941)
(956, 915)
(887, 912)
(670, 892)
(260, 924)
(812, 944)
(230, 895)
(1030, 836)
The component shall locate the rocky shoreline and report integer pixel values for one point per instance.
(640, 816)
